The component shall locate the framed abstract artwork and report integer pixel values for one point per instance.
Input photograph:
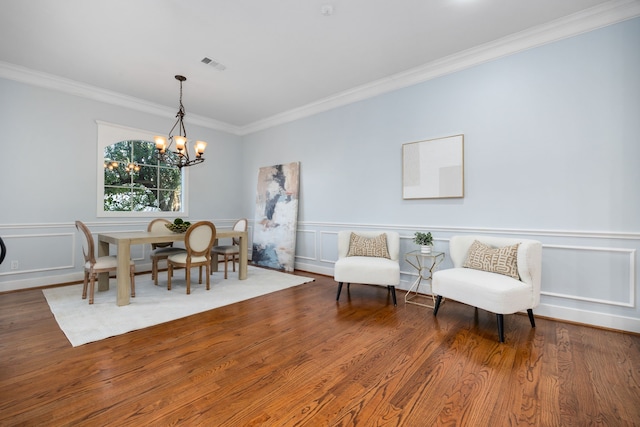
(276, 218)
(433, 168)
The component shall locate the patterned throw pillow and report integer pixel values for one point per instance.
(494, 260)
(368, 246)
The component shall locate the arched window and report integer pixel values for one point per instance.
(131, 180)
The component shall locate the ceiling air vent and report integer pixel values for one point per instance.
(215, 64)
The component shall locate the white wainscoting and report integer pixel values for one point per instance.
(588, 277)
(52, 253)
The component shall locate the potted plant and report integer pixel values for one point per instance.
(425, 240)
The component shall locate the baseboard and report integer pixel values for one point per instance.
(588, 318)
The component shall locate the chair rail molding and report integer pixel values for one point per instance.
(589, 276)
(599, 289)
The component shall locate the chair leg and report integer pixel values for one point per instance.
(208, 273)
(339, 290)
(233, 262)
(501, 327)
(200, 278)
(531, 319)
(92, 282)
(85, 284)
(436, 306)
(226, 260)
(187, 276)
(393, 294)
(133, 282)
(169, 274)
(154, 271)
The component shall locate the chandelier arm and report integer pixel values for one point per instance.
(181, 157)
(172, 129)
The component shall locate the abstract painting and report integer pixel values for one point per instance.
(274, 232)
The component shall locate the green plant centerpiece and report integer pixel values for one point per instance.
(178, 225)
(425, 240)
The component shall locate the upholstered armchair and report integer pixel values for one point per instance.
(368, 257)
(498, 274)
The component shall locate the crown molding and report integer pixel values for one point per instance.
(590, 19)
(72, 87)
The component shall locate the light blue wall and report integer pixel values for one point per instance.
(551, 152)
(48, 180)
(551, 141)
(552, 147)
(49, 156)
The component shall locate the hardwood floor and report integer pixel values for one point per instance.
(296, 357)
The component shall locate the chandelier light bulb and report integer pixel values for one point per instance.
(161, 143)
(180, 141)
(200, 147)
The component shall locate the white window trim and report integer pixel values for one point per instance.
(110, 133)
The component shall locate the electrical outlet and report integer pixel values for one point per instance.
(14, 265)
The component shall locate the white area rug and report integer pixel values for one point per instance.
(83, 323)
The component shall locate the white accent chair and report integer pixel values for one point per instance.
(229, 251)
(160, 251)
(198, 241)
(94, 266)
(490, 291)
(365, 269)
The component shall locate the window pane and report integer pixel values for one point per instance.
(143, 199)
(170, 178)
(171, 159)
(147, 176)
(128, 189)
(114, 174)
(119, 152)
(144, 152)
(116, 199)
(170, 201)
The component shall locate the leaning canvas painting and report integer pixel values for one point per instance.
(274, 233)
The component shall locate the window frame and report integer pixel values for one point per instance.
(110, 133)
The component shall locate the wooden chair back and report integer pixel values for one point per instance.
(158, 226)
(240, 225)
(88, 246)
(199, 239)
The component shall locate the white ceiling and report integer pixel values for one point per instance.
(281, 56)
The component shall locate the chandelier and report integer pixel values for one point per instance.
(177, 144)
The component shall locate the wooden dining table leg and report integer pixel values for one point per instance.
(124, 266)
(214, 259)
(103, 278)
(242, 273)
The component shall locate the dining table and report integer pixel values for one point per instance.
(124, 239)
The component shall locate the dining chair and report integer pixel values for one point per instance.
(198, 241)
(160, 251)
(94, 266)
(229, 251)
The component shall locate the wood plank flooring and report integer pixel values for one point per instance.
(298, 358)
